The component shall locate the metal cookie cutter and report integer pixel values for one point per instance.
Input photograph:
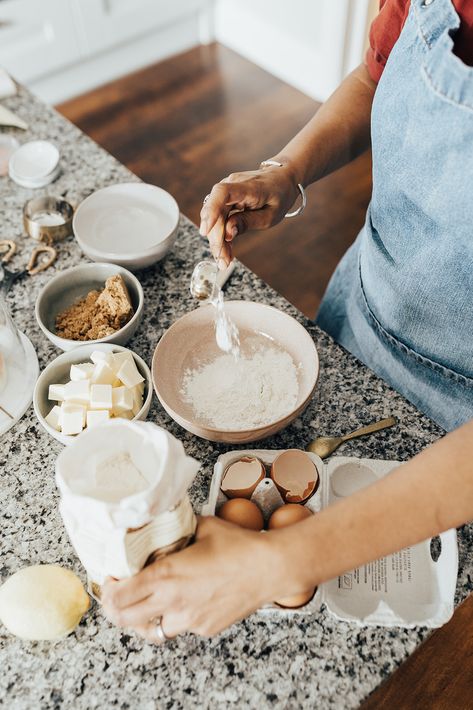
(48, 219)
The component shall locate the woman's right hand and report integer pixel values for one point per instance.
(256, 199)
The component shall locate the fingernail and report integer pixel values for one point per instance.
(203, 228)
(222, 264)
(234, 231)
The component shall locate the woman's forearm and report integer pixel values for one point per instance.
(338, 133)
(431, 493)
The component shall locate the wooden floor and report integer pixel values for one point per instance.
(186, 123)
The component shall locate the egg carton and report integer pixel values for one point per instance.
(409, 588)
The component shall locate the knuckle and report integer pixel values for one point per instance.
(218, 188)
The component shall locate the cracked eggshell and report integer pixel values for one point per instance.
(295, 476)
(241, 477)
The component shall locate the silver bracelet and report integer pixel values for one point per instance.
(301, 208)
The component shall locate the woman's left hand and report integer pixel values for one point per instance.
(224, 576)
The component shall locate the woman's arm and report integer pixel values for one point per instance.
(339, 131)
(230, 572)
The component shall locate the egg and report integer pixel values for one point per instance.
(242, 512)
(288, 515)
(242, 476)
(295, 476)
(297, 600)
(282, 517)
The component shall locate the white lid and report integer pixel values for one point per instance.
(34, 161)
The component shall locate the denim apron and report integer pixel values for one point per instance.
(401, 299)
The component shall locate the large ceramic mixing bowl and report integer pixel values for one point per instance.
(195, 332)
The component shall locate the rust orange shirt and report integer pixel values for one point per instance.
(388, 24)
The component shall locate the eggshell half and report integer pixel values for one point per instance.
(295, 476)
(242, 476)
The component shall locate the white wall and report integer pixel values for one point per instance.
(311, 44)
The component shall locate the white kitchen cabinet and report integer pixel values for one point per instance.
(37, 37)
(61, 48)
(103, 24)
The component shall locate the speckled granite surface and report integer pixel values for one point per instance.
(307, 662)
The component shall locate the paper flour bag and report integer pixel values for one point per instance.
(124, 497)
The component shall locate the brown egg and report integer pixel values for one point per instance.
(282, 517)
(297, 600)
(288, 515)
(242, 512)
(242, 476)
(295, 476)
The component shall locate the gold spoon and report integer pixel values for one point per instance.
(323, 446)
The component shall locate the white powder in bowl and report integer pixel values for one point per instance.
(254, 390)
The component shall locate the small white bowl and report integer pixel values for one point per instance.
(71, 285)
(34, 164)
(57, 372)
(131, 224)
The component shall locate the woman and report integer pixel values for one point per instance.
(400, 300)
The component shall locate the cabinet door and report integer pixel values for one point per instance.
(36, 37)
(105, 23)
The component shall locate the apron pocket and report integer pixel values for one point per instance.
(397, 345)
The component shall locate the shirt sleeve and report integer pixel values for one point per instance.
(384, 32)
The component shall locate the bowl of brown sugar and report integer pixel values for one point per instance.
(90, 303)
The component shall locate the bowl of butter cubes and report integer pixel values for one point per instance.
(89, 385)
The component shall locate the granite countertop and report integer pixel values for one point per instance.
(287, 662)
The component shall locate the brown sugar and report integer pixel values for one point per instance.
(99, 314)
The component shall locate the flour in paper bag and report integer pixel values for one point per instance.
(117, 477)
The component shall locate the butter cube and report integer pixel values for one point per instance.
(125, 415)
(129, 374)
(120, 358)
(83, 371)
(73, 407)
(122, 400)
(102, 356)
(72, 420)
(78, 392)
(54, 418)
(97, 416)
(56, 392)
(141, 387)
(101, 397)
(137, 398)
(102, 374)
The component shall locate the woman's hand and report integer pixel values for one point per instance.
(224, 576)
(256, 199)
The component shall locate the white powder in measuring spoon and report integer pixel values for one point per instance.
(252, 391)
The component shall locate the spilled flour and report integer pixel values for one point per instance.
(259, 387)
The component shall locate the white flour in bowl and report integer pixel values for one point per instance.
(258, 388)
